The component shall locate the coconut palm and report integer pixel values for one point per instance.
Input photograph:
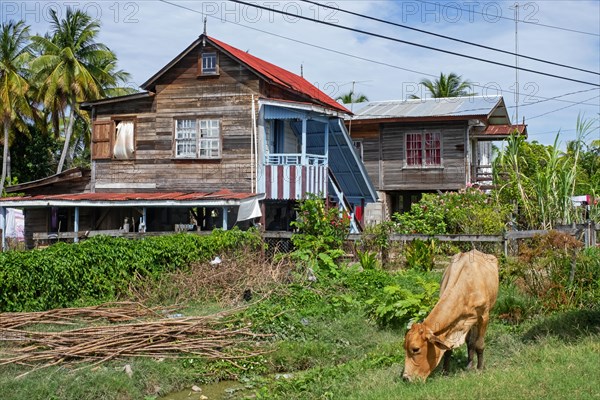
(72, 67)
(351, 97)
(450, 85)
(14, 105)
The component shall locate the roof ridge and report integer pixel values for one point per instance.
(494, 97)
(280, 76)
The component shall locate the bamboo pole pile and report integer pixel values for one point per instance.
(113, 312)
(210, 337)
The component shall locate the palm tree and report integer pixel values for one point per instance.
(450, 85)
(351, 97)
(14, 104)
(72, 67)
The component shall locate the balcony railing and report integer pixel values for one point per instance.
(295, 159)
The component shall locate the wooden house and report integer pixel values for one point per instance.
(421, 146)
(219, 137)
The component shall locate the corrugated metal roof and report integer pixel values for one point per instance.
(504, 130)
(453, 106)
(156, 198)
(280, 76)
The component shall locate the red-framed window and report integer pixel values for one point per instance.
(423, 149)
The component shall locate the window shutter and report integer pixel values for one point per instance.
(101, 140)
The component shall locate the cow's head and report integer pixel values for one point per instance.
(423, 351)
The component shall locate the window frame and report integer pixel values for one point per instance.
(115, 121)
(358, 148)
(413, 147)
(198, 139)
(201, 66)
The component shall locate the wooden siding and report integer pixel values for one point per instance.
(370, 137)
(182, 93)
(384, 156)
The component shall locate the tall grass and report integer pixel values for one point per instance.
(543, 191)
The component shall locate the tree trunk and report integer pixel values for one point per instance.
(4, 158)
(68, 133)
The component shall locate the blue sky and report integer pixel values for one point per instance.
(148, 34)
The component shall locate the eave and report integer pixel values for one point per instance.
(87, 105)
(171, 199)
(72, 174)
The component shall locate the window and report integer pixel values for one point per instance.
(423, 149)
(197, 138)
(124, 141)
(358, 146)
(209, 64)
(209, 139)
(113, 139)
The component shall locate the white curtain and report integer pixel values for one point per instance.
(124, 146)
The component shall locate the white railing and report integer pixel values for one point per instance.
(295, 159)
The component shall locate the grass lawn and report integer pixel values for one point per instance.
(556, 357)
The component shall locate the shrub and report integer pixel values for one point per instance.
(420, 255)
(469, 211)
(102, 268)
(553, 268)
(409, 298)
(321, 234)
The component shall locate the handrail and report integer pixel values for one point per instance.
(295, 159)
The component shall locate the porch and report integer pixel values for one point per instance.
(50, 218)
(296, 155)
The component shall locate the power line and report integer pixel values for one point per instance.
(559, 96)
(511, 19)
(410, 43)
(449, 37)
(561, 131)
(369, 60)
(562, 108)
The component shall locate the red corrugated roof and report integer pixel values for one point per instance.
(498, 130)
(280, 76)
(116, 197)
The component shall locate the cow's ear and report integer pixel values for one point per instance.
(437, 341)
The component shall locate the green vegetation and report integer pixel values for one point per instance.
(334, 333)
(451, 85)
(43, 79)
(103, 268)
(540, 179)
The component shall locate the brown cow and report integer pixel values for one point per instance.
(467, 293)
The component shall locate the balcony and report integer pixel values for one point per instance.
(290, 176)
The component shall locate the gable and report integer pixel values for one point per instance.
(291, 86)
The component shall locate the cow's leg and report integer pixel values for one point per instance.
(480, 339)
(471, 339)
(446, 366)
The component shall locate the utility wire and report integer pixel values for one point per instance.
(331, 7)
(370, 60)
(557, 97)
(449, 5)
(562, 108)
(410, 43)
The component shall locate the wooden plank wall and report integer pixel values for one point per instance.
(384, 155)
(369, 135)
(182, 93)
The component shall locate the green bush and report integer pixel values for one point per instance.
(102, 268)
(420, 255)
(553, 268)
(321, 234)
(468, 211)
(403, 302)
